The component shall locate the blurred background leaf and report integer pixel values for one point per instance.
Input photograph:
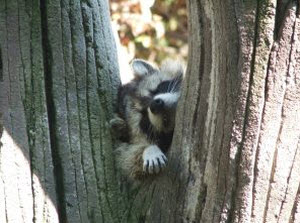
(149, 29)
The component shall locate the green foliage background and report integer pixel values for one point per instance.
(152, 30)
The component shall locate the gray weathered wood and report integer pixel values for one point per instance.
(59, 75)
(26, 169)
(235, 154)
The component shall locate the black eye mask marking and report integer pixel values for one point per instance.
(167, 86)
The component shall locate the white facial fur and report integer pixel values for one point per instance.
(168, 98)
(155, 120)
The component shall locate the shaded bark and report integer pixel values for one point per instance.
(59, 76)
(235, 154)
(27, 177)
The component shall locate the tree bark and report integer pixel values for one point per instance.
(27, 188)
(58, 80)
(235, 154)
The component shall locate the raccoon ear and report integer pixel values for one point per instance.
(141, 68)
(172, 68)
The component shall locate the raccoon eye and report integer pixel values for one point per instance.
(164, 87)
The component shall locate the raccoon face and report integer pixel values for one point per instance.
(158, 92)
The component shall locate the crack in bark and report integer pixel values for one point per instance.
(30, 119)
(87, 40)
(13, 131)
(255, 169)
(1, 66)
(68, 112)
(287, 187)
(104, 102)
(58, 170)
(246, 111)
(290, 59)
(274, 162)
(78, 102)
(8, 74)
(219, 160)
(257, 114)
(271, 180)
(232, 195)
(296, 203)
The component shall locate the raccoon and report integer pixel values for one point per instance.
(146, 117)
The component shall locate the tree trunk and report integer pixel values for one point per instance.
(58, 80)
(235, 155)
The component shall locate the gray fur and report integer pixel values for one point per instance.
(149, 133)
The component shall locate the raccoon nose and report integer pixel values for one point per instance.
(156, 105)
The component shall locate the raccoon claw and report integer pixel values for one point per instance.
(154, 160)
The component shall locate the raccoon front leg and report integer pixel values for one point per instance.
(129, 160)
(119, 128)
(154, 159)
(138, 160)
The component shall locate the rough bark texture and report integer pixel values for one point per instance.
(58, 80)
(235, 154)
(27, 188)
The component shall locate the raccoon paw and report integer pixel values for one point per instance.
(154, 159)
(117, 123)
(119, 129)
